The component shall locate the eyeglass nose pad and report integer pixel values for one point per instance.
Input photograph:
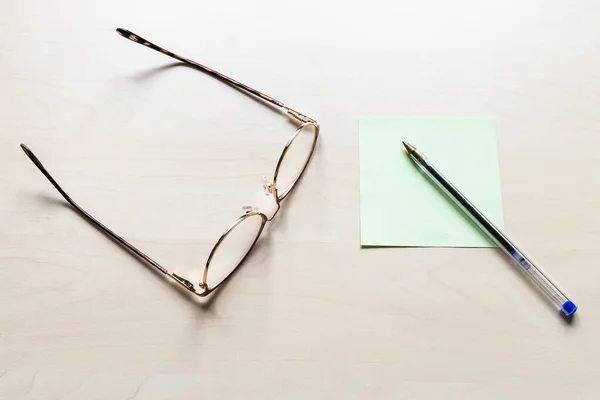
(268, 186)
(248, 209)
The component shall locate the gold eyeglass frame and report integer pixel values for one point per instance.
(203, 289)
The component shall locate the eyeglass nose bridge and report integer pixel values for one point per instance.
(270, 190)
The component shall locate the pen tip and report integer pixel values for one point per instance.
(410, 149)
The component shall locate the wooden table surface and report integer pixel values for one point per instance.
(167, 156)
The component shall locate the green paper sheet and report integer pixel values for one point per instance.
(400, 206)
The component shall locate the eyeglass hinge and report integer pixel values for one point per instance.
(185, 282)
(297, 116)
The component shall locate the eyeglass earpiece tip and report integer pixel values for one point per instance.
(27, 151)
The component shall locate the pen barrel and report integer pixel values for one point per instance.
(535, 275)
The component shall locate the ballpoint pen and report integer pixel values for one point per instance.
(556, 296)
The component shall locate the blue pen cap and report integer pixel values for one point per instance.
(568, 308)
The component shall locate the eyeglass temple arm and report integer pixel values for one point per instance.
(138, 39)
(85, 214)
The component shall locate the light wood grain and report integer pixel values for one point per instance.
(166, 156)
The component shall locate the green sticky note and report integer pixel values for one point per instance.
(401, 206)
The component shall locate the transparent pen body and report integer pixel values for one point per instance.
(537, 277)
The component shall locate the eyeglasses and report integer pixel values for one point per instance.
(239, 239)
